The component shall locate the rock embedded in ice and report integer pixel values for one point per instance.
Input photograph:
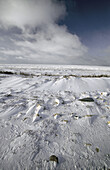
(9, 95)
(76, 117)
(67, 77)
(87, 99)
(88, 144)
(65, 121)
(25, 118)
(97, 149)
(54, 158)
(88, 115)
(104, 93)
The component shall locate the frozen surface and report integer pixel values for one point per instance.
(54, 110)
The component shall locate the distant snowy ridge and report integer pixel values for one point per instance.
(38, 66)
(55, 70)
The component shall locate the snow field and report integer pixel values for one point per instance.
(68, 117)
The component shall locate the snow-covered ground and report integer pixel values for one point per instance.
(54, 110)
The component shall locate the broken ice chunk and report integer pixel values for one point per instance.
(108, 123)
(57, 101)
(37, 116)
(56, 116)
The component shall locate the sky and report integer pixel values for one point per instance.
(55, 32)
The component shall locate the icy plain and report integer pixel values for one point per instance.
(54, 110)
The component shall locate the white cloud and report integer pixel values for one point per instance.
(54, 44)
(11, 52)
(2, 59)
(51, 43)
(31, 13)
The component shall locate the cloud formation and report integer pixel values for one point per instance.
(41, 39)
(31, 13)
